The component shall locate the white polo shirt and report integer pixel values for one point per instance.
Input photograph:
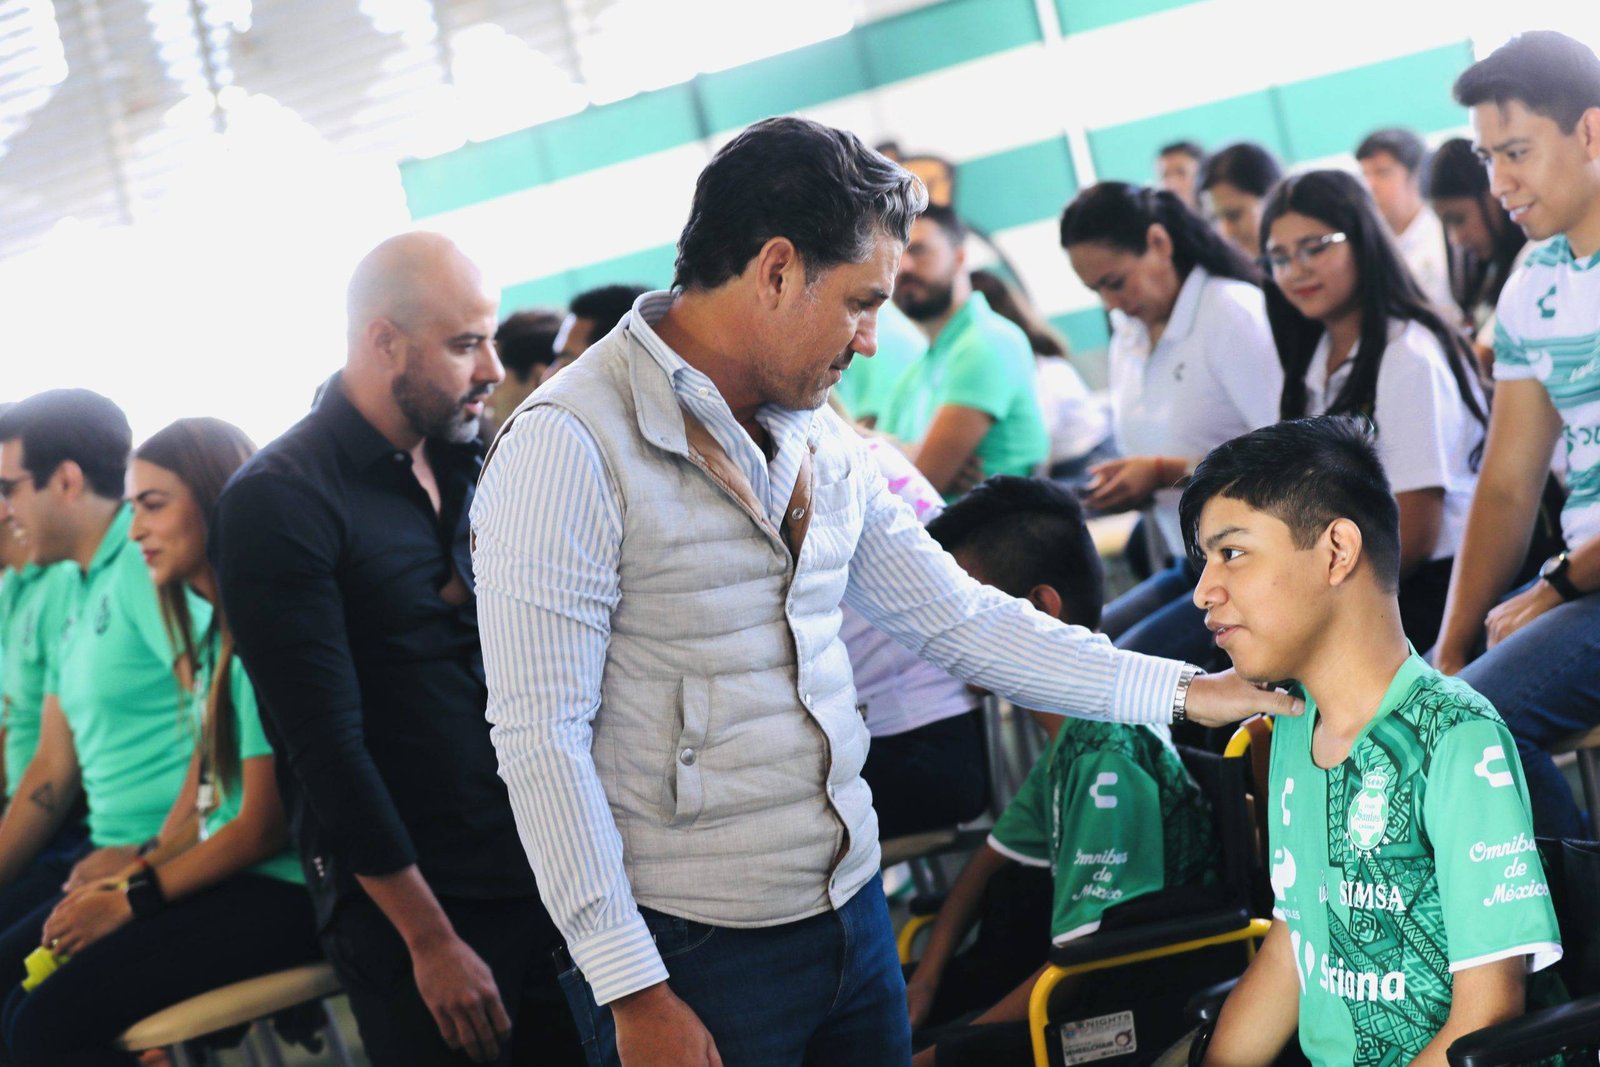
(1426, 435)
(1422, 247)
(1213, 376)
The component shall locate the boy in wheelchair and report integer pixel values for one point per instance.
(1410, 903)
(1108, 810)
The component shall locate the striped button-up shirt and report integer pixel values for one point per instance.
(548, 527)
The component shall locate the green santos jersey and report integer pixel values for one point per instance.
(132, 724)
(1411, 860)
(983, 361)
(221, 801)
(1111, 811)
(1547, 329)
(865, 385)
(34, 605)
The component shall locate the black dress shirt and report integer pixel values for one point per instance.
(332, 563)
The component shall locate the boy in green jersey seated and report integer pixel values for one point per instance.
(1107, 810)
(1410, 904)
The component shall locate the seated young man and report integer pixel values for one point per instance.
(1108, 810)
(1410, 902)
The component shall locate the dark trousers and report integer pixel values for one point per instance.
(42, 879)
(929, 778)
(515, 938)
(246, 926)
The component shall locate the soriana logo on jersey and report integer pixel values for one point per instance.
(1369, 812)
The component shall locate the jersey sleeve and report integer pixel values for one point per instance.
(1022, 832)
(1492, 887)
(1111, 841)
(1511, 360)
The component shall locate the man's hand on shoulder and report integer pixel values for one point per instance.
(656, 1029)
(1220, 699)
(460, 991)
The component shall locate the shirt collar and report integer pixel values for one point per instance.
(1411, 668)
(361, 441)
(976, 307)
(1566, 257)
(114, 541)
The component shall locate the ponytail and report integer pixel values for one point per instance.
(1120, 215)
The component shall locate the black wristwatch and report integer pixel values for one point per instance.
(144, 894)
(1554, 571)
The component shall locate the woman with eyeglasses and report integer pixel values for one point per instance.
(1192, 365)
(1375, 347)
(217, 896)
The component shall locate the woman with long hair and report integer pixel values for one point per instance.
(1377, 348)
(1192, 365)
(1234, 186)
(217, 896)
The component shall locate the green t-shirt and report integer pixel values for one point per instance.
(34, 603)
(132, 724)
(1411, 860)
(983, 361)
(865, 386)
(1111, 811)
(284, 866)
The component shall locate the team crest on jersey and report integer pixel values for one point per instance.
(102, 617)
(1369, 812)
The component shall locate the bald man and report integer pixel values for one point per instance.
(341, 551)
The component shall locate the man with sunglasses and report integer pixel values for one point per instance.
(1536, 120)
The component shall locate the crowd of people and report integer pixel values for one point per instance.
(556, 678)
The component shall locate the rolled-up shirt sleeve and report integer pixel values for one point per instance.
(912, 590)
(276, 548)
(547, 530)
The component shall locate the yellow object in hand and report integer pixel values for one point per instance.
(41, 964)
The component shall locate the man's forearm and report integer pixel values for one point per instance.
(1499, 528)
(41, 803)
(408, 903)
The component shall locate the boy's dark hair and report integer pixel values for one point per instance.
(948, 221)
(77, 425)
(605, 306)
(526, 340)
(791, 177)
(1188, 148)
(1306, 473)
(1246, 166)
(1028, 532)
(1550, 73)
(1406, 147)
(1120, 215)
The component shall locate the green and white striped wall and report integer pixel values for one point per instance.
(1029, 98)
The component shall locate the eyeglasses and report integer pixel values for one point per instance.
(1278, 259)
(8, 486)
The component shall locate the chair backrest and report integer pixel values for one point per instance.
(1224, 782)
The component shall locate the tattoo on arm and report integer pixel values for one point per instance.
(45, 797)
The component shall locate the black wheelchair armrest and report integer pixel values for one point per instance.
(1206, 1005)
(926, 904)
(1108, 943)
(1170, 903)
(1531, 1037)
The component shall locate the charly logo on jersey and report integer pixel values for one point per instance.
(1100, 791)
(1369, 812)
(1484, 768)
(102, 616)
(1546, 305)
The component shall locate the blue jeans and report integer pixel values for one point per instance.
(1545, 682)
(825, 991)
(1158, 617)
(42, 878)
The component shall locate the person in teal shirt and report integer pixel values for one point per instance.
(218, 896)
(1108, 811)
(969, 408)
(1409, 901)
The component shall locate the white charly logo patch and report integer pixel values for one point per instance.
(1283, 801)
(1498, 779)
(1283, 872)
(1104, 780)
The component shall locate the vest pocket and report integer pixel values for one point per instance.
(694, 713)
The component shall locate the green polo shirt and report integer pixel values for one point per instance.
(866, 384)
(285, 866)
(983, 361)
(132, 724)
(33, 612)
(1410, 861)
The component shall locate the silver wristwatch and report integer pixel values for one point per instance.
(1180, 698)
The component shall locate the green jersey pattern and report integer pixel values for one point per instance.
(1092, 809)
(1411, 860)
